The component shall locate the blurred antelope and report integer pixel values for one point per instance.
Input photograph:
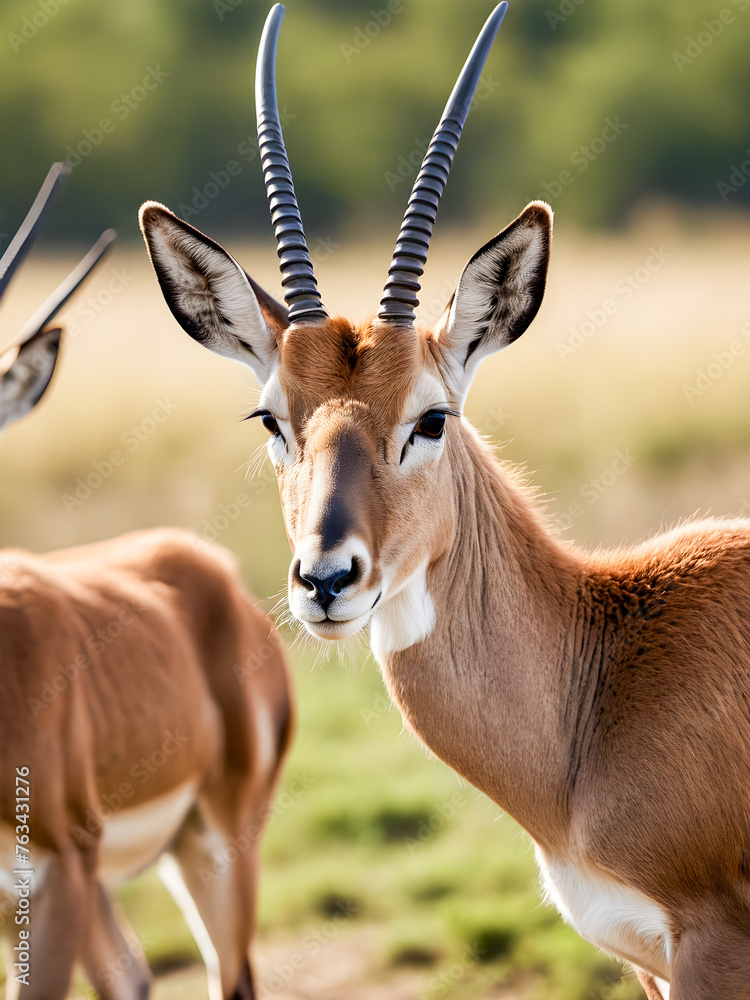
(145, 710)
(602, 699)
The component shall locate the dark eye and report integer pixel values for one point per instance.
(269, 422)
(431, 425)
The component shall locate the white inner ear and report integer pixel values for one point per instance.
(217, 302)
(494, 291)
(522, 252)
(24, 374)
(8, 359)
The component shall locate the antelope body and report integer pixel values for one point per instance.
(603, 700)
(145, 711)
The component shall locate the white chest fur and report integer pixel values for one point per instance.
(405, 619)
(133, 838)
(619, 920)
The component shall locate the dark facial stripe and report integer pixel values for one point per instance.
(345, 471)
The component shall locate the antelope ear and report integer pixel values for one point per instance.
(498, 295)
(210, 295)
(25, 372)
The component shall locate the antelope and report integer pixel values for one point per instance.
(601, 699)
(145, 713)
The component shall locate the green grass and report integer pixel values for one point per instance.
(361, 831)
(386, 833)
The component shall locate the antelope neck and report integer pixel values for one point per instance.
(490, 689)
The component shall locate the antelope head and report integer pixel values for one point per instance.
(26, 367)
(364, 421)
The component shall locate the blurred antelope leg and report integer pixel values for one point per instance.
(217, 901)
(114, 969)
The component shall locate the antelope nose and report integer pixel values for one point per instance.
(327, 589)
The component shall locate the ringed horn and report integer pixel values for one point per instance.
(298, 281)
(400, 295)
(24, 239)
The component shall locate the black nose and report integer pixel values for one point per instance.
(328, 589)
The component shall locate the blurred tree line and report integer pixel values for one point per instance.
(594, 105)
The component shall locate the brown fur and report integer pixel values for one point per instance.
(602, 700)
(170, 643)
(339, 361)
(649, 985)
(554, 675)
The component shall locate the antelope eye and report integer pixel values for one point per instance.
(269, 422)
(432, 424)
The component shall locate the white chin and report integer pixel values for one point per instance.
(328, 629)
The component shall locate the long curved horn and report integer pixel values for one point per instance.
(52, 305)
(24, 238)
(400, 295)
(300, 287)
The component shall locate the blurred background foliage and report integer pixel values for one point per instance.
(361, 84)
(660, 378)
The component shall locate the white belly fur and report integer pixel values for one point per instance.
(134, 838)
(620, 920)
(131, 840)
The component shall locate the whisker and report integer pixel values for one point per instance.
(282, 604)
(263, 603)
(254, 396)
(281, 592)
(253, 464)
(256, 460)
(323, 651)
